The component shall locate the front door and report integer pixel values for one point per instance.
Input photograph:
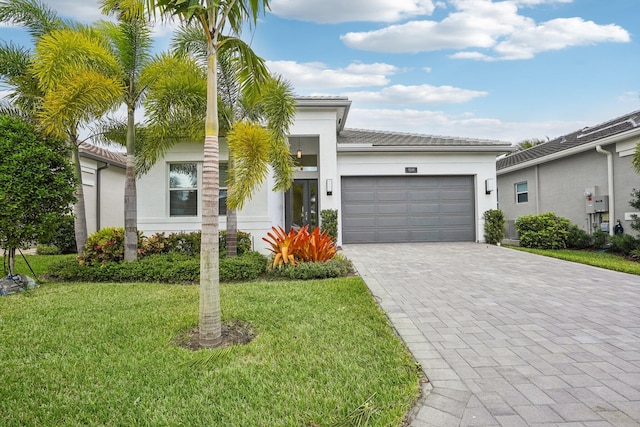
(301, 204)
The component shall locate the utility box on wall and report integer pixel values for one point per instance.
(601, 204)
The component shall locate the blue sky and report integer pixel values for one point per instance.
(507, 70)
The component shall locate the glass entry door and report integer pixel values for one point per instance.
(301, 204)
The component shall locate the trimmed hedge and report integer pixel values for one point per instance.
(543, 231)
(163, 268)
(338, 266)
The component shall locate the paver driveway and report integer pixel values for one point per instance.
(508, 338)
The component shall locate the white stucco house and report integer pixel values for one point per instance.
(386, 186)
(103, 174)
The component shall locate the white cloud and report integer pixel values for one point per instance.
(465, 125)
(312, 75)
(415, 95)
(484, 24)
(334, 11)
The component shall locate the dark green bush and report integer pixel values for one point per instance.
(63, 235)
(338, 266)
(543, 231)
(493, 226)
(43, 249)
(165, 268)
(248, 266)
(329, 222)
(185, 243)
(578, 238)
(243, 243)
(624, 244)
(600, 239)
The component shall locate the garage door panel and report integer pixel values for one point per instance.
(408, 209)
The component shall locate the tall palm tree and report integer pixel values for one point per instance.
(267, 101)
(215, 18)
(26, 97)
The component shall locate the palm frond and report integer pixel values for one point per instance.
(79, 98)
(636, 159)
(191, 40)
(64, 52)
(34, 15)
(124, 10)
(249, 146)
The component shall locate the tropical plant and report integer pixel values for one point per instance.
(215, 18)
(493, 226)
(543, 231)
(316, 246)
(329, 222)
(26, 96)
(283, 245)
(37, 185)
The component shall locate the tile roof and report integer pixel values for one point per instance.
(375, 138)
(575, 139)
(102, 155)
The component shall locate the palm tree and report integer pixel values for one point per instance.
(267, 101)
(27, 95)
(214, 19)
(636, 159)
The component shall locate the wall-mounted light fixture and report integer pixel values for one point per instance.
(299, 152)
(489, 185)
(329, 187)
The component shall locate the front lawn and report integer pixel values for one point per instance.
(600, 259)
(104, 354)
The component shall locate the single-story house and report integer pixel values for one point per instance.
(103, 174)
(386, 186)
(585, 176)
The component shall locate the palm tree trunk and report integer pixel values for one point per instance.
(130, 202)
(79, 211)
(210, 332)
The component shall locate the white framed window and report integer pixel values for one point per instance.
(185, 187)
(522, 192)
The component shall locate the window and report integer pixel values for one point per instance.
(183, 189)
(522, 192)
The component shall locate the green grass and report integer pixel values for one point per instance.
(39, 263)
(103, 354)
(597, 259)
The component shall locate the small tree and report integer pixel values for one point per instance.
(37, 185)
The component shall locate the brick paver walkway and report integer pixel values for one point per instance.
(508, 338)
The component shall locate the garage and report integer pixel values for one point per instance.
(393, 209)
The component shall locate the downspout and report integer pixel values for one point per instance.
(106, 165)
(612, 201)
(537, 189)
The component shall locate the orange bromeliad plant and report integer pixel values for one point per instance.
(302, 246)
(315, 246)
(283, 245)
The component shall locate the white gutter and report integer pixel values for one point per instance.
(420, 149)
(612, 201)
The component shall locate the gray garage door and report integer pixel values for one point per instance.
(408, 209)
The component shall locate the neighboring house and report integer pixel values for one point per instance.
(103, 173)
(386, 186)
(585, 176)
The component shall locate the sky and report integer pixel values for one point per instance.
(503, 70)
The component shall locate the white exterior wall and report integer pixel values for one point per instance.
(110, 193)
(479, 165)
(258, 215)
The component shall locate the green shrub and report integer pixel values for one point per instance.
(493, 226)
(623, 244)
(104, 246)
(243, 243)
(578, 238)
(248, 266)
(63, 237)
(600, 239)
(543, 231)
(329, 222)
(338, 266)
(185, 243)
(43, 249)
(169, 267)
